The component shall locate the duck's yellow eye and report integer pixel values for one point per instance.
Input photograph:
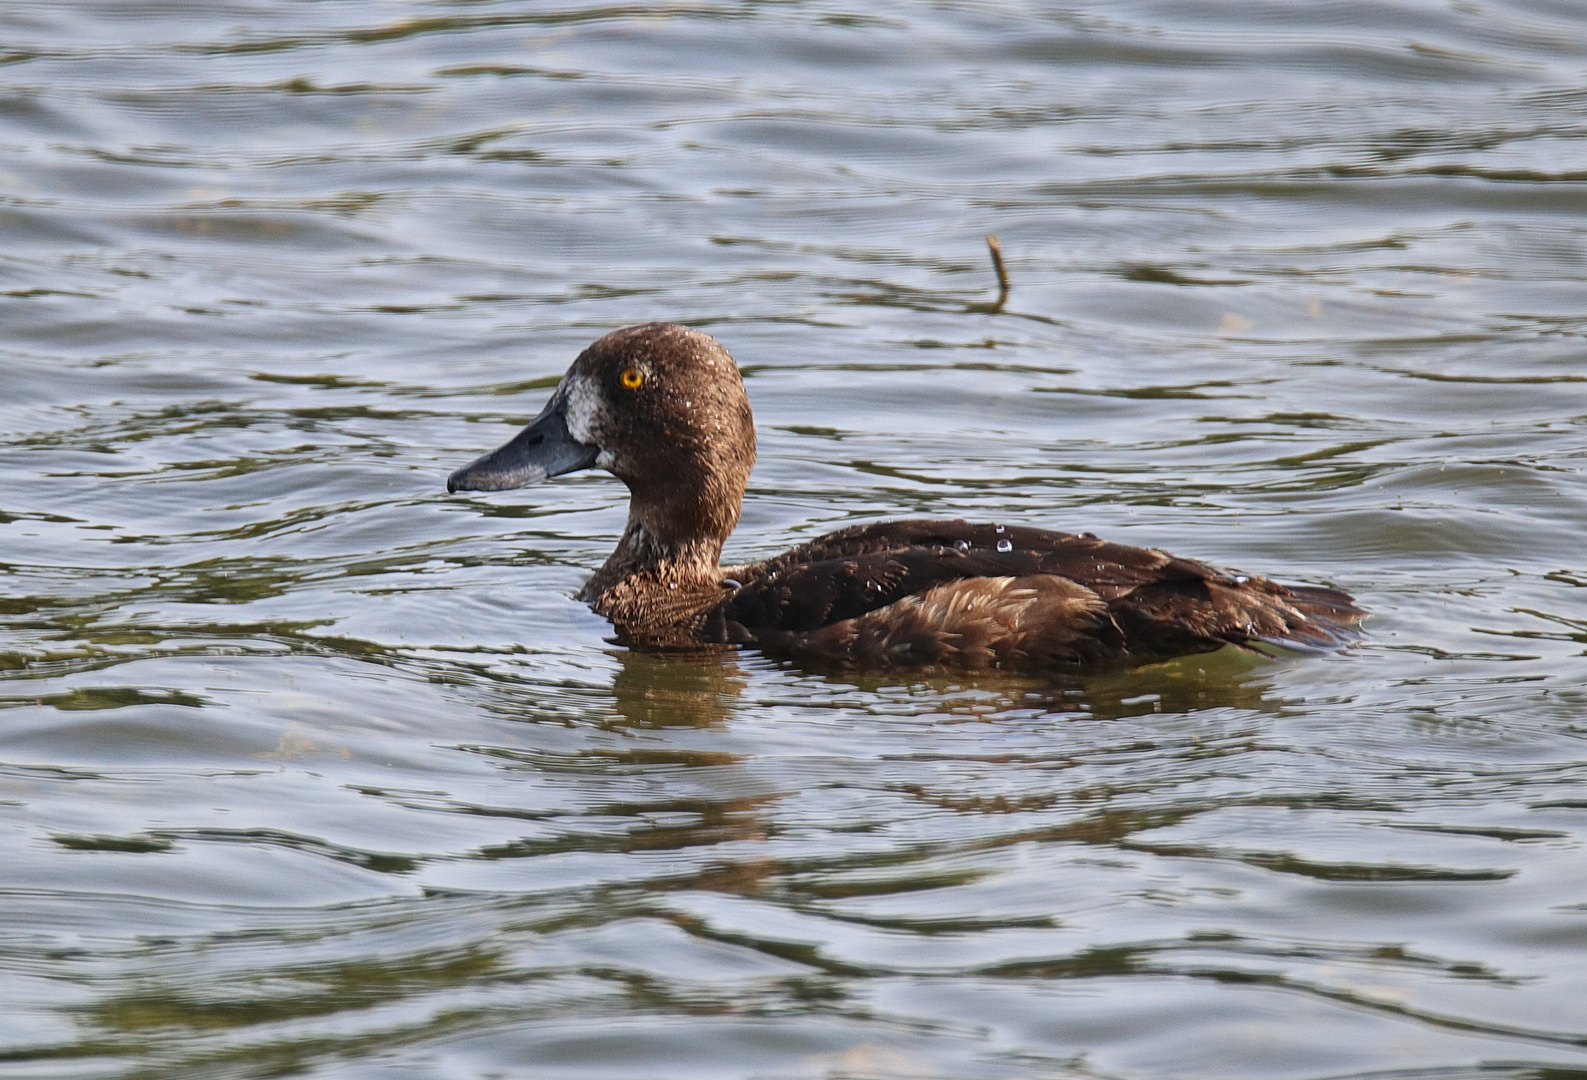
(632, 378)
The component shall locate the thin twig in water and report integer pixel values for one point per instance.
(1002, 271)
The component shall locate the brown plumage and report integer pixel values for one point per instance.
(663, 408)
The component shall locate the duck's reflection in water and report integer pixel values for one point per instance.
(728, 802)
(695, 688)
(1228, 678)
(703, 688)
(668, 703)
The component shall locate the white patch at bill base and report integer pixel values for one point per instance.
(582, 405)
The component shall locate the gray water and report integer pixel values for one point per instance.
(310, 769)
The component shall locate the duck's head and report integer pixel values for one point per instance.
(659, 406)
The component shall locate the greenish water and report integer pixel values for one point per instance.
(309, 769)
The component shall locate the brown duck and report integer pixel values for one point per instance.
(663, 409)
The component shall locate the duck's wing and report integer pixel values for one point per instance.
(989, 594)
(883, 536)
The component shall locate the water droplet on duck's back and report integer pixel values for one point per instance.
(1005, 545)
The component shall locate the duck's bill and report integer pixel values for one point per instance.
(543, 449)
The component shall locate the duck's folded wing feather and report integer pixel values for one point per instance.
(884, 536)
(997, 594)
(1038, 620)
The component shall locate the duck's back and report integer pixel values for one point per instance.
(1007, 596)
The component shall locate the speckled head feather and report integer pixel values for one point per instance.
(663, 408)
(682, 436)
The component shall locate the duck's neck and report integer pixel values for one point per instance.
(667, 566)
(666, 570)
(655, 560)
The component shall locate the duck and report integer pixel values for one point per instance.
(663, 408)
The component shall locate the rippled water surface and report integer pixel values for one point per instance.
(308, 768)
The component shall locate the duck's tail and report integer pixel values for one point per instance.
(1329, 619)
(1190, 613)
